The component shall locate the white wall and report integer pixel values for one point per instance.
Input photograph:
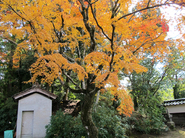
(42, 109)
(176, 108)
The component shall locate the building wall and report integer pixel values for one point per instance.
(176, 108)
(179, 118)
(41, 108)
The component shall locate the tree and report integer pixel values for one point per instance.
(93, 40)
(11, 81)
(14, 73)
(145, 85)
(175, 63)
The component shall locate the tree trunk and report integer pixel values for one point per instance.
(175, 91)
(86, 116)
(135, 103)
(20, 75)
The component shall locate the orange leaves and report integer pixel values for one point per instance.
(179, 2)
(126, 105)
(63, 26)
(94, 60)
(50, 67)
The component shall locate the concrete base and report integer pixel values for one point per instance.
(171, 124)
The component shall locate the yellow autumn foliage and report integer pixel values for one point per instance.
(95, 39)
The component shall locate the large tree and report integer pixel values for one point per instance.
(87, 42)
(175, 63)
(146, 85)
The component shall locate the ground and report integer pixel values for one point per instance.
(179, 132)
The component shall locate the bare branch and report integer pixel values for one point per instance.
(11, 41)
(145, 43)
(160, 80)
(68, 58)
(90, 28)
(130, 18)
(155, 6)
(55, 31)
(148, 3)
(94, 2)
(92, 11)
(113, 53)
(17, 13)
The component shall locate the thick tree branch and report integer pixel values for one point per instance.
(115, 8)
(148, 3)
(30, 23)
(71, 80)
(76, 91)
(93, 13)
(55, 31)
(68, 58)
(113, 53)
(17, 13)
(160, 80)
(90, 28)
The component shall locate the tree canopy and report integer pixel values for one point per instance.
(92, 39)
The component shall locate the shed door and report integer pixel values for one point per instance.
(27, 124)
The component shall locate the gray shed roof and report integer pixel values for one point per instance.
(32, 90)
(174, 102)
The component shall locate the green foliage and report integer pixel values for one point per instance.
(71, 96)
(154, 120)
(65, 126)
(150, 119)
(179, 91)
(108, 122)
(8, 114)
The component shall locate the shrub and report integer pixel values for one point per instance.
(150, 120)
(8, 114)
(106, 119)
(64, 126)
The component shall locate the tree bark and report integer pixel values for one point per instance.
(175, 91)
(86, 116)
(135, 103)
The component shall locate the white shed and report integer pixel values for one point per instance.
(34, 112)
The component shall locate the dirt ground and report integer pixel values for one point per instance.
(179, 132)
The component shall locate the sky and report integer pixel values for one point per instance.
(171, 14)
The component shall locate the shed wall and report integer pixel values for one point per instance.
(41, 107)
(176, 108)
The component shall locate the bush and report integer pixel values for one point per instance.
(150, 120)
(106, 119)
(64, 126)
(8, 114)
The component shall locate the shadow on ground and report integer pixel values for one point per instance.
(179, 132)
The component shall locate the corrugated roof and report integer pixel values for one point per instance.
(174, 102)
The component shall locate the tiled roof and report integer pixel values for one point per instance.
(174, 102)
(34, 90)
